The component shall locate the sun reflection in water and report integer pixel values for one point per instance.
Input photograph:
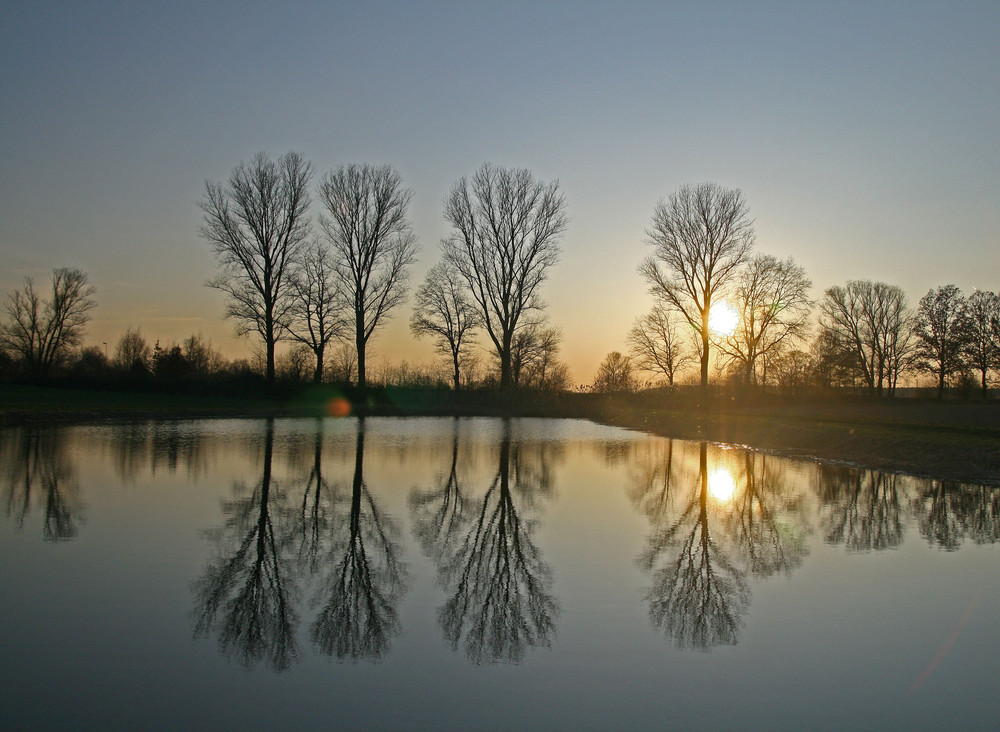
(721, 485)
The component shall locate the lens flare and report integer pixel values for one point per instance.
(338, 407)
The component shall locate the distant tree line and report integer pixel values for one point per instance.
(327, 291)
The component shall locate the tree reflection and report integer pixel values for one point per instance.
(950, 512)
(246, 594)
(861, 508)
(358, 617)
(440, 513)
(710, 531)
(39, 474)
(698, 595)
(499, 603)
(767, 544)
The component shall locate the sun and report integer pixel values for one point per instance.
(722, 319)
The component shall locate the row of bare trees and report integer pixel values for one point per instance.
(282, 282)
(703, 238)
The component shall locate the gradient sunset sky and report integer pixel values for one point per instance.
(865, 136)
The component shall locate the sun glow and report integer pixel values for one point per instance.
(722, 319)
(721, 485)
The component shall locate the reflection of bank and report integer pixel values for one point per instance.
(499, 603)
(710, 530)
(39, 475)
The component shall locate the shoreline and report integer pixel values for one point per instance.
(941, 441)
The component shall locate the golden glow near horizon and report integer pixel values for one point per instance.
(722, 319)
(721, 485)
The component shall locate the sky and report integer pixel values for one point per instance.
(863, 135)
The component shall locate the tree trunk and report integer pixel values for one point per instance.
(318, 371)
(704, 349)
(455, 362)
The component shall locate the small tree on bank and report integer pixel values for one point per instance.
(443, 312)
(615, 374)
(941, 331)
(42, 332)
(982, 343)
(658, 345)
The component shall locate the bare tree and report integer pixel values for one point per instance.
(871, 323)
(534, 357)
(941, 333)
(255, 225)
(656, 344)
(444, 312)
(133, 353)
(702, 235)
(42, 331)
(506, 231)
(615, 374)
(982, 346)
(372, 244)
(772, 300)
(318, 314)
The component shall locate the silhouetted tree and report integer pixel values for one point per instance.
(941, 330)
(657, 345)
(616, 373)
(319, 313)
(203, 358)
(772, 300)
(357, 617)
(443, 312)
(499, 604)
(42, 332)
(871, 323)
(249, 584)
(982, 343)
(255, 225)
(506, 227)
(132, 353)
(371, 244)
(702, 235)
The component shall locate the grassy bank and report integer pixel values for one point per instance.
(947, 440)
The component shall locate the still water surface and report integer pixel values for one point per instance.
(482, 574)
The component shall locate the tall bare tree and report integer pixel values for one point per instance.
(506, 229)
(444, 312)
(702, 235)
(941, 331)
(657, 345)
(43, 331)
(371, 244)
(872, 324)
(255, 225)
(319, 313)
(982, 347)
(772, 300)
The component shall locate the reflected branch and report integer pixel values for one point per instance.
(39, 473)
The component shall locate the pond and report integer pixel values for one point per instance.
(392, 573)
